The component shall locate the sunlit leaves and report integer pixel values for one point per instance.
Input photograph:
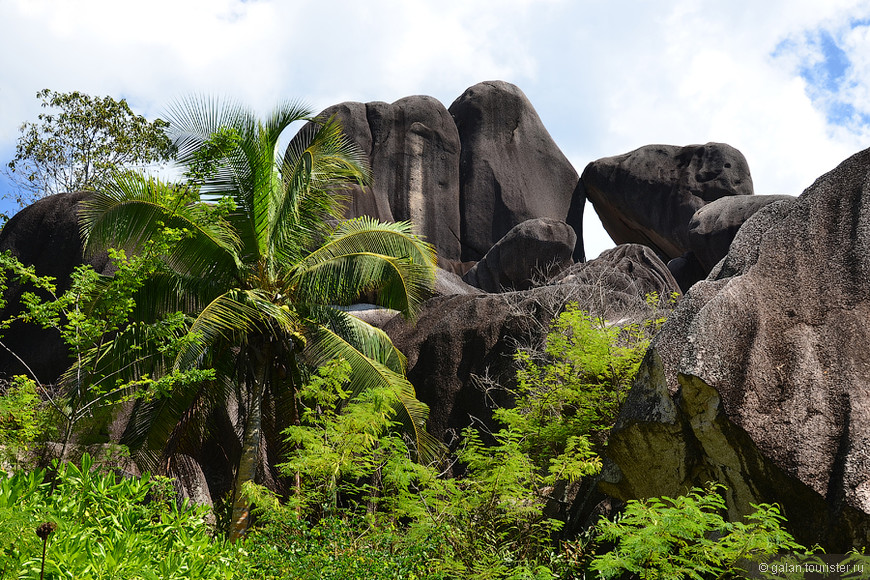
(687, 537)
(80, 142)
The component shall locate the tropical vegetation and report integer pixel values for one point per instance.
(94, 524)
(263, 272)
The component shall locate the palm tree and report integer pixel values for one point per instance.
(263, 276)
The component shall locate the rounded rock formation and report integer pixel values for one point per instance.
(759, 379)
(648, 196)
(44, 235)
(714, 225)
(459, 341)
(511, 170)
(413, 148)
(536, 249)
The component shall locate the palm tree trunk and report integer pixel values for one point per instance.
(247, 470)
(295, 420)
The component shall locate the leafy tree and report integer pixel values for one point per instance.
(263, 274)
(81, 143)
(112, 359)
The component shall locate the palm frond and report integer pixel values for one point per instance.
(281, 117)
(131, 210)
(364, 255)
(194, 119)
(319, 163)
(233, 317)
(159, 428)
(325, 345)
(168, 291)
(369, 340)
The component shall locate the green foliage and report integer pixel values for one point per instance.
(112, 358)
(18, 520)
(23, 419)
(687, 537)
(107, 527)
(365, 509)
(81, 143)
(284, 546)
(340, 439)
(261, 276)
(352, 465)
(567, 396)
(489, 522)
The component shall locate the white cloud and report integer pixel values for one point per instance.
(606, 77)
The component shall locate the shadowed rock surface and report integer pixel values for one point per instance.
(630, 269)
(45, 235)
(759, 379)
(413, 148)
(535, 249)
(714, 225)
(457, 340)
(511, 170)
(687, 270)
(575, 219)
(648, 196)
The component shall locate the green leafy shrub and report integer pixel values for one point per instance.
(333, 548)
(23, 418)
(357, 476)
(106, 527)
(489, 522)
(687, 537)
(568, 395)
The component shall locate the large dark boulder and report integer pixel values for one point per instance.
(536, 249)
(759, 380)
(510, 169)
(44, 235)
(648, 196)
(413, 148)
(459, 341)
(715, 224)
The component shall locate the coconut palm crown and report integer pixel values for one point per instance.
(263, 281)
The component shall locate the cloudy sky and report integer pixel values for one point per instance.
(785, 81)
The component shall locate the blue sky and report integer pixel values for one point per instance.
(785, 81)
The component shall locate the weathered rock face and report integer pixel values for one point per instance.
(535, 249)
(759, 379)
(448, 283)
(458, 339)
(714, 225)
(648, 196)
(413, 148)
(511, 170)
(45, 235)
(629, 269)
